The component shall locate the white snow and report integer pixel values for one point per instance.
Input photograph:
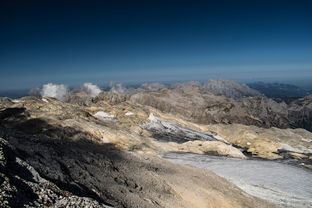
(129, 114)
(286, 185)
(152, 118)
(105, 140)
(176, 132)
(104, 116)
(17, 101)
(45, 100)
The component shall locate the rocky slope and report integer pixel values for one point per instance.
(256, 142)
(217, 101)
(300, 112)
(191, 104)
(56, 154)
(40, 171)
(229, 88)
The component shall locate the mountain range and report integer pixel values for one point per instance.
(105, 150)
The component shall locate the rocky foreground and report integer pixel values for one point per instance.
(106, 151)
(55, 154)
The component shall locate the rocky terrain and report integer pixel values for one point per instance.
(105, 150)
(191, 104)
(195, 103)
(56, 154)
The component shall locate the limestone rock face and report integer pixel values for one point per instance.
(193, 105)
(269, 143)
(80, 98)
(300, 112)
(111, 98)
(205, 147)
(5, 102)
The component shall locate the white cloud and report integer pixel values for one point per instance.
(58, 91)
(117, 88)
(91, 89)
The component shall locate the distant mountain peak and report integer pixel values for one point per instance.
(229, 88)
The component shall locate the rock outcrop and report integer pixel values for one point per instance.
(300, 113)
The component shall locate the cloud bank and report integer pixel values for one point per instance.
(58, 91)
(117, 88)
(91, 89)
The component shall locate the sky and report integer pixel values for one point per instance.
(73, 42)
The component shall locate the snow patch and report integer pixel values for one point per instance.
(168, 131)
(45, 100)
(299, 149)
(172, 131)
(152, 118)
(129, 114)
(219, 138)
(17, 101)
(104, 116)
(105, 140)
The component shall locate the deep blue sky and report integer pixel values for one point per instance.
(98, 41)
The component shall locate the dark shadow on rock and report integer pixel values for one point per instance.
(11, 112)
(53, 158)
(15, 173)
(76, 163)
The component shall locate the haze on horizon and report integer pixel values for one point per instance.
(74, 42)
